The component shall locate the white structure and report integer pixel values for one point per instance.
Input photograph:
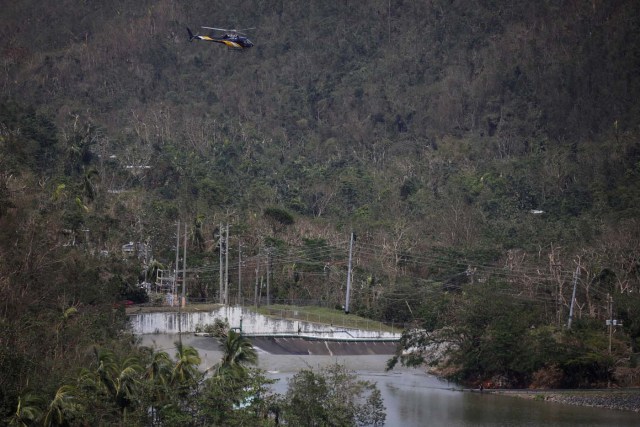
(252, 324)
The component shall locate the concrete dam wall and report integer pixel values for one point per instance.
(253, 324)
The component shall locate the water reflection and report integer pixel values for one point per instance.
(415, 399)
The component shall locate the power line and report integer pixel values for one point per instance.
(535, 283)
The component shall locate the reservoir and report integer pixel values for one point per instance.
(411, 396)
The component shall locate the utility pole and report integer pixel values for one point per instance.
(268, 275)
(183, 301)
(226, 268)
(610, 301)
(346, 304)
(255, 291)
(220, 243)
(240, 272)
(176, 295)
(175, 277)
(573, 295)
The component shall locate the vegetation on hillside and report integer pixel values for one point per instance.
(487, 156)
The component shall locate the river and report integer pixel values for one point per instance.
(414, 398)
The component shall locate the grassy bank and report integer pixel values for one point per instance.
(327, 316)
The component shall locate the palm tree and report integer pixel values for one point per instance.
(119, 380)
(126, 384)
(157, 375)
(233, 385)
(237, 353)
(63, 404)
(105, 369)
(158, 370)
(27, 412)
(185, 371)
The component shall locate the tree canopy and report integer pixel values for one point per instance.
(487, 156)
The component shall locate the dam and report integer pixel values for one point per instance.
(270, 334)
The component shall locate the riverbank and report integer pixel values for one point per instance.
(620, 399)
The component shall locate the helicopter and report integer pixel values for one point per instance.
(231, 38)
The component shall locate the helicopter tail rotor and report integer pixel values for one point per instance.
(191, 36)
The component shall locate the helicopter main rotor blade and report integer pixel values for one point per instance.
(217, 29)
(229, 30)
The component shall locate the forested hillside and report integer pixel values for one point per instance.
(486, 154)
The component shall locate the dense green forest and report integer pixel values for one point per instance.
(486, 155)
